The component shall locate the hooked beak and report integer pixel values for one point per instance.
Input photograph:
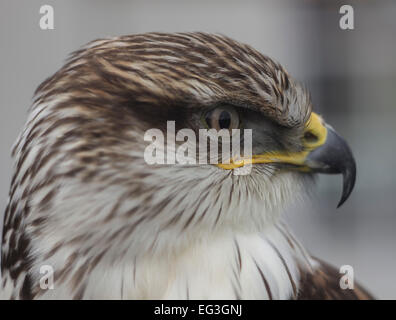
(334, 157)
(324, 152)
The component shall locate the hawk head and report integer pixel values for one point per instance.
(82, 188)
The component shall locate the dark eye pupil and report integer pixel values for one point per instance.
(224, 120)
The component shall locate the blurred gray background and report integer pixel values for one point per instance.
(351, 75)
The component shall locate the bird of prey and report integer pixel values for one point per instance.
(84, 202)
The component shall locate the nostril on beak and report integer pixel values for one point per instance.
(309, 137)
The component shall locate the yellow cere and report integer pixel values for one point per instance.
(314, 127)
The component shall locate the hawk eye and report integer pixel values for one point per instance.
(224, 117)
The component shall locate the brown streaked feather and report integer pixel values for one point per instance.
(323, 284)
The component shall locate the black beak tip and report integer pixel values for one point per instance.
(349, 178)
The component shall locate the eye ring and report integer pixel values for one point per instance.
(223, 117)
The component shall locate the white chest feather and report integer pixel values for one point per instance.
(228, 266)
